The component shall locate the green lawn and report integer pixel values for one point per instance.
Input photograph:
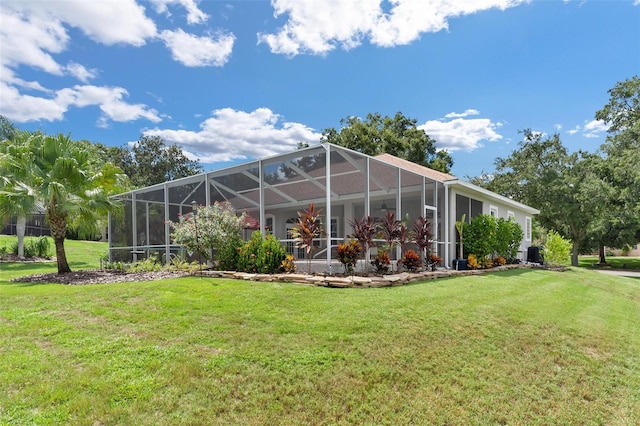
(517, 347)
(613, 262)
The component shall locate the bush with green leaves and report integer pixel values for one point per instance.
(557, 250)
(207, 230)
(261, 255)
(228, 254)
(480, 236)
(507, 239)
(34, 247)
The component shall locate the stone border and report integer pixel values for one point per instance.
(355, 281)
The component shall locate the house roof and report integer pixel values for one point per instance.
(415, 168)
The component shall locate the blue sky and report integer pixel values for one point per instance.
(231, 81)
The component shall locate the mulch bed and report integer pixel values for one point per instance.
(97, 277)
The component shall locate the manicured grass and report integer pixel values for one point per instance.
(517, 347)
(613, 262)
(80, 255)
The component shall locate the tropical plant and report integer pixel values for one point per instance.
(422, 235)
(381, 262)
(433, 261)
(348, 254)
(307, 228)
(460, 224)
(364, 230)
(411, 260)
(389, 229)
(17, 196)
(63, 178)
(288, 265)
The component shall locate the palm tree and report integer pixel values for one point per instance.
(70, 187)
(17, 197)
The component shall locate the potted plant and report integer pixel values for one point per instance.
(460, 264)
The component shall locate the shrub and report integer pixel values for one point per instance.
(557, 250)
(228, 254)
(149, 264)
(433, 261)
(480, 236)
(381, 262)
(411, 260)
(472, 262)
(248, 253)
(270, 255)
(348, 254)
(288, 265)
(261, 255)
(499, 261)
(34, 247)
(508, 237)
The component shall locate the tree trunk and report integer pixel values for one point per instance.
(574, 253)
(63, 265)
(601, 254)
(58, 232)
(21, 225)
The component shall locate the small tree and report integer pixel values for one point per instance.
(460, 228)
(307, 228)
(481, 233)
(508, 237)
(348, 254)
(212, 228)
(364, 230)
(557, 250)
(389, 229)
(423, 236)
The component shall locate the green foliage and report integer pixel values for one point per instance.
(270, 255)
(348, 254)
(460, 225)
(411, 260)
(150, 161)
(398, 136)
(481, 236)
(209, 229)
(34, 247)
(228, 253)
(261, 255)
(557, 250)
(508, 236)
(149, 264)
(248, 253)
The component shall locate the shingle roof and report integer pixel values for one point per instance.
(415, 168)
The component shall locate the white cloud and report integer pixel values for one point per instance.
(21, 107)
(466, 113)
(557, 126)
(230, 135)
(462, 133)
(590, 129)
(80, 72)
(574, 130)
(194, 14)
(317, 27)
(594, 128)
(194, 51)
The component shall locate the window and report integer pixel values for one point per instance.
(527, 229)
(493, 211)
(511, 215)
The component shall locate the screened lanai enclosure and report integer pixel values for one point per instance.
(345, 184)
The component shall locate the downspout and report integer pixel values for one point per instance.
(167, 228)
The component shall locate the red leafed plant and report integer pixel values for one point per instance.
(308, 227)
